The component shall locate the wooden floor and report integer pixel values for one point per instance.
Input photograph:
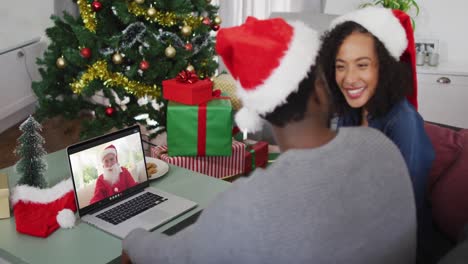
(57, 132)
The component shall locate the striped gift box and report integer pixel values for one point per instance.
(216, 166)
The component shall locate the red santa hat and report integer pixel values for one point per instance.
(394, 29)
(268, 58)
(109, 150)
(39, 212)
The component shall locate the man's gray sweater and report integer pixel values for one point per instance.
(349, 201)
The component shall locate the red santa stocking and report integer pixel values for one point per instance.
(39, 212)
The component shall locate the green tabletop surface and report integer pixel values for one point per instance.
(84, 243)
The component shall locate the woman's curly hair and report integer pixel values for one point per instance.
(395, 77)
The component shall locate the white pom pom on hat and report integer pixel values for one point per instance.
(66, 218)
(248, 120)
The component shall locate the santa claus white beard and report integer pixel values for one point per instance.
(112, 175)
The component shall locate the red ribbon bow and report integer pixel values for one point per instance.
(187, 77)
(216, 93)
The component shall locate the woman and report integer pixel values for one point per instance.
(360, 56)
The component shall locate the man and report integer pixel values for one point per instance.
(330, 197)
(114, 178)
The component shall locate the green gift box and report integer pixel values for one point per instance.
(200, 130)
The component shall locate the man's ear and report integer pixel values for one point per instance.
(319, 93)
(315, 97)
(314, 102)
(320, 99)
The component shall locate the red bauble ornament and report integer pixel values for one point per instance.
(144, 65)
(97, 6)
(85, 53)
(188, 46)
(215, 27)
(110, 111)
(206, 21)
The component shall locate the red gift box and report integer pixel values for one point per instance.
(256, 155)
(215, 166)
(190, 93)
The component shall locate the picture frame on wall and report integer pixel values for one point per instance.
(427, 46)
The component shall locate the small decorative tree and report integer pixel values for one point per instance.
(30, 148)
(39, 210)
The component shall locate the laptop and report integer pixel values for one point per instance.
(109, 194)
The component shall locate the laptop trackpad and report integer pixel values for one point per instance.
(154, 215)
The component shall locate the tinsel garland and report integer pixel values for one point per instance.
(131, 34)
(167, 37)
(134, 33)
(111, 79)
(166, 19)
(88, 15)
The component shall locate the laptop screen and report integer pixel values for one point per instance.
(107, 169)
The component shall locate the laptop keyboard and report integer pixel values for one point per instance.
(131, 208)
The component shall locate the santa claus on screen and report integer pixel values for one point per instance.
(114, 178)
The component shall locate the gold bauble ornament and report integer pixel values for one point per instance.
(217, 20)
(190, 68)
(117, 58)
(170, 52)
(139, 1)
(61, 63)
(151, 11)
(186, 30)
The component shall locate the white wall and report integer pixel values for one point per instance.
(21, 23)
(444, 21)
(234, 12)
(339, 7)
(22, 40)
(23, 20)
(447, 22)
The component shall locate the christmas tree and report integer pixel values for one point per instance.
(31, 165)
(111, 60)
